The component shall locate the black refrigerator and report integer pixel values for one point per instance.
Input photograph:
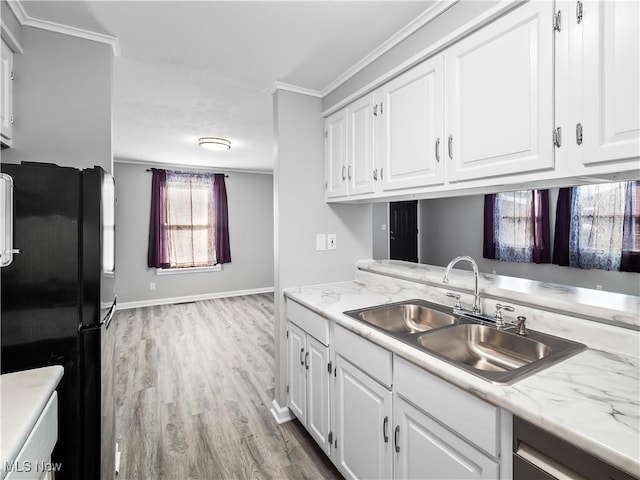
(58, 302)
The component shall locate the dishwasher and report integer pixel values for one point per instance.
(539, 455)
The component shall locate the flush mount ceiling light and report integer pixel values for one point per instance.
(214, 143)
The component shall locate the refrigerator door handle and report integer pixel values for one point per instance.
(6, 217)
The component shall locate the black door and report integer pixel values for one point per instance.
(403, 231)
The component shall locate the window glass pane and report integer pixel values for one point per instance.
(514, 226)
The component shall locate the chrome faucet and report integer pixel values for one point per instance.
(476, 298)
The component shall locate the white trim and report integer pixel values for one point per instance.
(182, 166)
(293, 88)
(281, 414)
(191, 298)
(179, 271)
(416, 24)
(431, 50)
(10, 39)
(18, 10)
(26, 20)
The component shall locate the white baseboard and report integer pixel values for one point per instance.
(191, 298)
(281, 414)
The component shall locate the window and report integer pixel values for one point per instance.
(189, 221)
(598, 227)
(517, 226)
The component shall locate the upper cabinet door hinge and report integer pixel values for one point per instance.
(287, 388)
(287, 333)
(330, 438)
(329, 367)
(557, 137)
(579, 11)
(557, 21)
(13, 74)
(579, 133)
(326, 134)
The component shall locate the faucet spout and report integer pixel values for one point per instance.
(466, 258)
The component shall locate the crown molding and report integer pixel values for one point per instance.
(11, 40)
(25, 20)
(293, 88)
(416, 24)
(193, 166)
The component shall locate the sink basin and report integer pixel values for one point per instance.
(499, 356)
(468, 342)
(412, 316)
(485, 348)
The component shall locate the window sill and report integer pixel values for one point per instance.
(178, 271)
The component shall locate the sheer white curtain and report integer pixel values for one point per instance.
(190, 213)
(596, 229)
(514, 226)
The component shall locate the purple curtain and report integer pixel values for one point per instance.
(223, 249)
(630, 261)
(563, 227)
(158, 252)
(541, 231)
(489, 242)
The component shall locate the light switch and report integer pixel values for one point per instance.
(321, 241)
(331, 241)
(383, 227)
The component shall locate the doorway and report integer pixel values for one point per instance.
(403, 231)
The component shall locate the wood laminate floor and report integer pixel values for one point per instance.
(194, 384)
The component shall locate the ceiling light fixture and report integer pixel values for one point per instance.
(214, 143)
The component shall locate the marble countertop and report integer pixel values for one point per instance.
(23, 397)
(592, 400)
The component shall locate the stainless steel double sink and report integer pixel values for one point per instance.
(500, 356)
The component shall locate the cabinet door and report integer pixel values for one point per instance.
(360, 139)
(316, 361)
(427, 450)
(297, 373)
(6, 93)
(363, 424)
(410, 118)
(335, 150)
(611, 85)
(499, 101)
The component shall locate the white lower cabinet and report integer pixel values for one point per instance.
(424, 449)
(308, 374)
(362, 424)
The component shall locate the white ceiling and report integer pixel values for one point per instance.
(204, 68)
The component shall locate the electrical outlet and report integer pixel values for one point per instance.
(598, 287)
(331, 241)
(321, 241)
(152, 286)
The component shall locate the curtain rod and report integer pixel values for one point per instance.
(225, 175)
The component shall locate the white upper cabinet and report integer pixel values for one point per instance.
(610, 80)
(360, 146)
(6, 95)
(409, 118)
(499, 100)
(335, 151)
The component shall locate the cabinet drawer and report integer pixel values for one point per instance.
(469, 416)
(369, 357)
(310, 322)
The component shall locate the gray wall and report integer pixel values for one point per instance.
(380, 220)
(301, 212)
(62, 101)
(250, 198)
(454, 226)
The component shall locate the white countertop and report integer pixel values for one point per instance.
(592, 400)
(23, 396)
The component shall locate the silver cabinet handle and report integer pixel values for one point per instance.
(451, 146)
(375, 174)
(349, 172)
(579, 11)
(375, 110)
(438, 149)
(381, 173)
(306, 360)
(301, 356)
(343, 175)
(381, 108)
(385, 424)
(396, 438)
